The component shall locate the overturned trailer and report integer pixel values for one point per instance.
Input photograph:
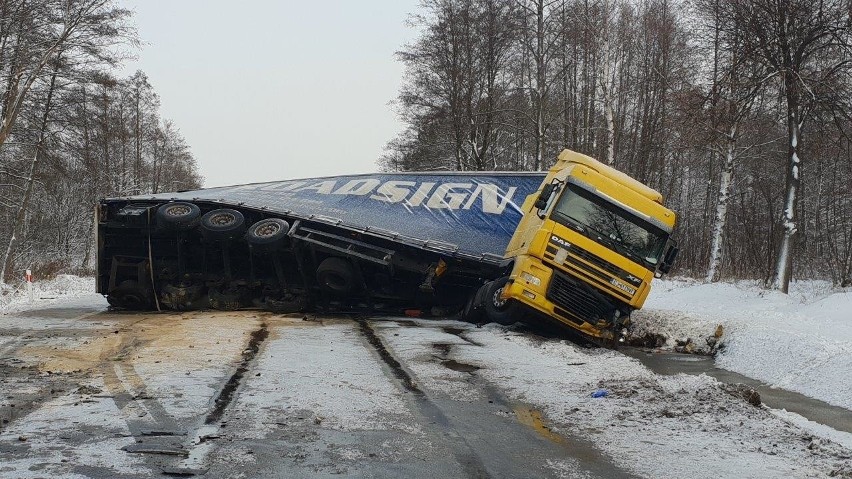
(371, 243)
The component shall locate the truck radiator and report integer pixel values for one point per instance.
(575, 299)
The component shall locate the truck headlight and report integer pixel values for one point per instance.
(529, 278)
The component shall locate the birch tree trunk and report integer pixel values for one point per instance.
(783, 266)
(540, 86)
(606, 86)
(720, 221)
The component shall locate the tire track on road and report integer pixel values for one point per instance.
(465, 455)
(509, 439)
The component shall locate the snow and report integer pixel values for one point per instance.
(65, 290)
(322, 371)
(323, 374)
(48, 433)
(705, 428)
(801, 342)
(815, 428)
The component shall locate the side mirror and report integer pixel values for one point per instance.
(669, 258)
(544, 197)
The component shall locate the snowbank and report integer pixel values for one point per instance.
(801, 342)
(56, 291)
(649, 424)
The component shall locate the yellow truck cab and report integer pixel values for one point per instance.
(585, 252)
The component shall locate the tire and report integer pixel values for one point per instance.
(130, 295)
(497, 310)
(267, 234)
(336, 275)
(178, 216)
(223, 224)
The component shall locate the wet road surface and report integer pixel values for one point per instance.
(245, 394)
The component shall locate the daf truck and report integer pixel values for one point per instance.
(584, 253)
(578, 246)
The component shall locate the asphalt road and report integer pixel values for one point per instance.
(93, 393)
(247, 394)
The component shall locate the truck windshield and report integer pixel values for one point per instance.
(610, 225)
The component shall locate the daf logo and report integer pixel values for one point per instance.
(559, 241)
(623, 287)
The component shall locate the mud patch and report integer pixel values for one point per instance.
(647, 340)
(533, 418)
(226, 395)
(744, 392)
(460, 367)
(74, 355)
(443, 349)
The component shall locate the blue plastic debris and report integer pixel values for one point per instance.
(600, 393)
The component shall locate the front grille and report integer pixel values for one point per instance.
(595, 276)
(599, 262)
(570, 295)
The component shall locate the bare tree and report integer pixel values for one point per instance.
(805, 44)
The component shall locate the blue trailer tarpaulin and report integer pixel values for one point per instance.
(471, 213)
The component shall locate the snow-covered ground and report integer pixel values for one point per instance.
(64, 289)
(92, 388)
(801, 342)
(650, 424)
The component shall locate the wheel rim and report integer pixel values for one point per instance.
(223, 219)
(178, 210)
(497, 300)
(266, 230)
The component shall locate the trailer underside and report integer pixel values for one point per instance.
(204, 254)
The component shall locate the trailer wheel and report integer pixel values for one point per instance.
(223, 224)
(268, 233)
(500, 311)
(336, 275)
(130, 295)
(178, 215)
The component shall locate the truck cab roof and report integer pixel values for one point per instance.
(568, 156)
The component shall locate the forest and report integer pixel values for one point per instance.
(737, 111)
(73, 131)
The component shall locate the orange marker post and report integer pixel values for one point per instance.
(29, 278)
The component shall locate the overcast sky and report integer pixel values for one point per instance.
(276, 89)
